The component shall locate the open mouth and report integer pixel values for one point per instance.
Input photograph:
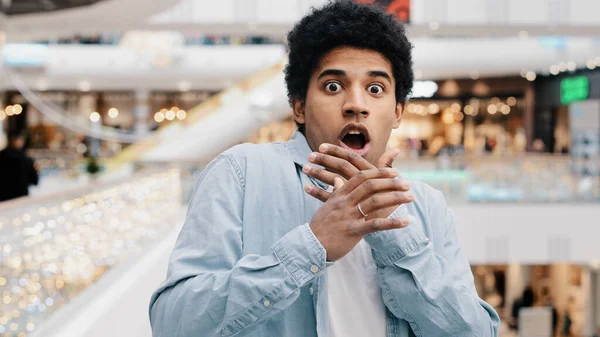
(355, 137)
(355, 140)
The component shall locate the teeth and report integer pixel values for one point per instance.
(354, 132)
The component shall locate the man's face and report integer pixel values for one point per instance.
(351, 102)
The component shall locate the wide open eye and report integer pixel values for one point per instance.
(375, 89)
(333, 87)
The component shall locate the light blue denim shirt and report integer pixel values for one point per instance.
(247, 264)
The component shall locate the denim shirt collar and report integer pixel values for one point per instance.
(299, 148)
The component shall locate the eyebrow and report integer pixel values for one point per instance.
(338, 72)
(379, 73)
(335, 72)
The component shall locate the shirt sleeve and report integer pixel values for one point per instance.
(212, 288)
(434, 293)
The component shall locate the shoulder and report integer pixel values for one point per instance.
(246, 154)
(430, 206)
(428, 196)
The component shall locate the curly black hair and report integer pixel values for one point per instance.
(347, 23)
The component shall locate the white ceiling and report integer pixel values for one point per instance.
(65, 67)
(452, 39)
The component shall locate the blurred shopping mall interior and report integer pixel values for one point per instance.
(122, 103)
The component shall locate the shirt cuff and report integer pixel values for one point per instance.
(391, 245)
(302, 254)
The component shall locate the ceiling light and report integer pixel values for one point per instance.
(113, 113)
(523, 73)
(184, 86)
(511, 101)
(531, 76)
(41, 84)
(468, 109)
(433, 108)
(170, 115)
(571, 66)
(505, 109)
(181, 114)
(94, 117)
(474, 75)
(17, 109)
(554, 69)
(523, 35)
(492, 109)
(434, 25)
(591, 64)
(159, 117)
(84, 86)
(562, 67)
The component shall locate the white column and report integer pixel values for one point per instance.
(141, 111)
(517, 278)
(595, 298)
(587, 285)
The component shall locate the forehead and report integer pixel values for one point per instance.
(354, 61)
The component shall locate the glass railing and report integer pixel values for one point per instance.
(527, 178)
(476, 179)
(53, 247)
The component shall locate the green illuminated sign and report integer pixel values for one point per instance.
(574, 89)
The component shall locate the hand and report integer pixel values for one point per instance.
(340, 162)
(339, 225)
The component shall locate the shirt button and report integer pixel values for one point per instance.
(311, 290)
(267, 303)
(314, 269)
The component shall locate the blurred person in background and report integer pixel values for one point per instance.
(526, 301)
(17, 170)
(548, 302)
(318, 236)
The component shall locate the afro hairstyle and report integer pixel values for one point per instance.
(347, 23)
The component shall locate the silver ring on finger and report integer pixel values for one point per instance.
(360, 210)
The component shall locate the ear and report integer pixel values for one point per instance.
(298, 109)
(399, 111)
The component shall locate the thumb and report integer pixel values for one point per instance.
(388, 158)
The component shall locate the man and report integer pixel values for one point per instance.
(17, 171)
(270, 249)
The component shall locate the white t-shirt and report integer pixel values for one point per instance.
(355, 305)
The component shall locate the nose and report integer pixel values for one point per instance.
(355, 103)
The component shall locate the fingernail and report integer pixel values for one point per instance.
(323, 147)
(405, 222)
(312, 156)
(306, 168)
(308, 188)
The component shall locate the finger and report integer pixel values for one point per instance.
(321, 174)
(350, 156)
(388, 158)
(317, 193)
(337, 183)
(362, 176)
(379, 224)
(334, 164)
(385, 200)
(375, 186)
